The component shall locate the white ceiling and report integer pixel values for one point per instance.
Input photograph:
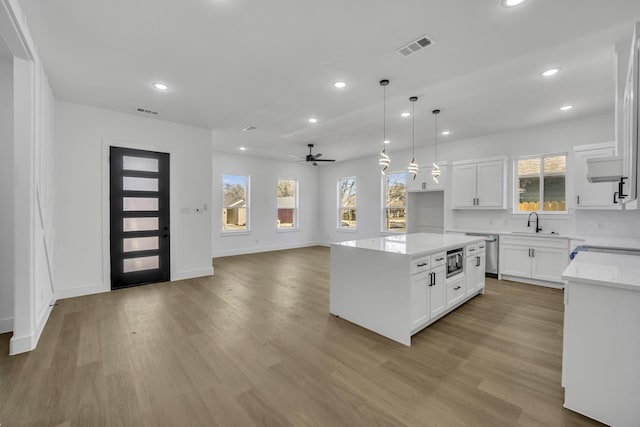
(271, 64)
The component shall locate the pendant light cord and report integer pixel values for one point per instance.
(384, 118)
(435, 159)
(413, 129)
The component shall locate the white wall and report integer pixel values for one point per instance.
(6, 195)
(554, 138)
(263, 235)
(83, 135)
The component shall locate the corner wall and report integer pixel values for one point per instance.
(6, 195)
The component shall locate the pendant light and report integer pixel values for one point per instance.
(435, 172)
(413, 166)
(384, 160)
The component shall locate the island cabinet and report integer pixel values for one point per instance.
(397, 285)
(536, 260)
(475, 268)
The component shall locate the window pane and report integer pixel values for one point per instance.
(234, 218)
(140, 244)
(131, 183)
(139, 224)
(396, 189)
(347, 188)
(143, 263)
(140, 204)
(529, 185)
(139, 164)
(286, 193)
(347, 218)
(234, 191)
(286, 218)
(396, 219)
(555, 169)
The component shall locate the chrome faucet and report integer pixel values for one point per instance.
(538, 228)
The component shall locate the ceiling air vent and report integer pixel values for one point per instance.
(415, 46)
(143, 110)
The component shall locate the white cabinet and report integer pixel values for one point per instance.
(428, 292)
(438, 292)
(474, 269)
(455, 290)
(479, 184)
(540, 259)
(424, 180)
(419, 299)
(593, 195)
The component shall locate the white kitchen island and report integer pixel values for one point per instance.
(601, 349)
(397, 285)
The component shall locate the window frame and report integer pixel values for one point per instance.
(247, 190)
(515, 193)
(339, 226)
(385, 206)
(296, 208)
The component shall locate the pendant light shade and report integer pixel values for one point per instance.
(412, 169)
(435, 172)
(384, 160)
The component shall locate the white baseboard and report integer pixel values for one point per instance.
(191, 274)
(6, 325)
(255, 250)
(26, 343)
(96, 288)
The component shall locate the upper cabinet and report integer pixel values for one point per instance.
(593, 195)
(424, 180)
(478, 184)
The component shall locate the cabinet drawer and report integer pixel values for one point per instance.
(471, 250)
(438, 259)
(541, 242)
(455, 291)
(419, 264)
(481, 246)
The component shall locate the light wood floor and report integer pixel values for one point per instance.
(255, 345)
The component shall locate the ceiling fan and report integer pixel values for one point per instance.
(312, 158)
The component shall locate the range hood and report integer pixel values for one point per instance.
(604, 169)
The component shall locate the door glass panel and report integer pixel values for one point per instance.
(140, 244)
(142, 263)
(139, 164)
(139, 224)
(132, 183)
(140, 203)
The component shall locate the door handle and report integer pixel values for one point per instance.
(533, 253)
(529, 252)
(456, 288)
(477, 261)
(621, 194)
(578, 201)
(614, 197)
(422, 264)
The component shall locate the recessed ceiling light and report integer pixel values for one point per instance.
(405, 114)
(160, 86)
(511, 3)
(446, 132)
(386, 141)
(566, 107)
(313, 120)
(340, 85)
(242, 148)
(550, 72)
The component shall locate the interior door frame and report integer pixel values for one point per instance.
(105, 286)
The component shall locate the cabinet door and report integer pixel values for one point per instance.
(490, 184)
(463, 185)
(591, 195)
(419, 299)
(515, 260)
(438, 297)
(470, 275)
(548, 263)
(418, 184)
(442, 179)
(480, 270)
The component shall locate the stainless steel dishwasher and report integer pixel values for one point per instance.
(491, 253)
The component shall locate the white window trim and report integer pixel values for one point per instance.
(296, 219)
(514, 207)
(248, 230)
(383, 212)
(340, 207)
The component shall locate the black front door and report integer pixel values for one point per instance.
(139, 208)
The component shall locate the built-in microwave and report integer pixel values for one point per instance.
(455, 261)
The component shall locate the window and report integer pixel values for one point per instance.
(287, 204)
(347, 203)
(541, 184)
(395, 202)
(235, 203)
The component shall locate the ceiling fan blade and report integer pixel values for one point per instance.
(325, 160)
(297, 157)
(317, 155)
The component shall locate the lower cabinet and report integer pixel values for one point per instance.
(455, 290)
(428, 295)
(474, 271)
(537, 258)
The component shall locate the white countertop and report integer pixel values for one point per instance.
(412, 244)
(597, 268)
(624, 243)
